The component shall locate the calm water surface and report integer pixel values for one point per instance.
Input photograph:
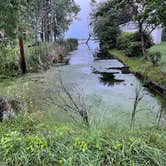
(109, 93)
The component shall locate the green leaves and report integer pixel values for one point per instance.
(28, 14)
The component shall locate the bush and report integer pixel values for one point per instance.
(133, 49)
(123, 40)
(8, 58)
(148, 39)
(109, 37)
(155, 57)
(131, 43)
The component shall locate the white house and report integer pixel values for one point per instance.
(133, 27)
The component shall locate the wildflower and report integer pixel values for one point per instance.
(81, 145)
(36, 144)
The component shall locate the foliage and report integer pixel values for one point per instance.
(105, 26)
(148, 41)
(38, 55)
(146, 14)
(137, 64)
(45, 18)
(106, 33)
(29, 16)
(123, 40)
(131, 43)
(161, 6)
(164, 34)
(155, 57)
(58, 14)
(65, 144)
(133, 49)
(8, 58)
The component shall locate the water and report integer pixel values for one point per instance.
(109, 93)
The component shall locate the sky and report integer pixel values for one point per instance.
(80, 28)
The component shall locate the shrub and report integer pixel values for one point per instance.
(73, 43)
(37, 55)
(133, 49)
(148, 39)
(131, 43)
(109, 36)
(8, 59)
(155, 57)
(123, 40)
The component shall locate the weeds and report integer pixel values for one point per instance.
(70, 102)
(38, 56)
(64, 144)
(137, 99)
(161, 112)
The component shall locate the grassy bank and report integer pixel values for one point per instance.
(38, 56)
(138, 64)
(35, 140)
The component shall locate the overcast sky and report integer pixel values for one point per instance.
(79, 28)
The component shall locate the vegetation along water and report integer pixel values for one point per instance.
(82, 102)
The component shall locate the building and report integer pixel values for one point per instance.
(133, 27)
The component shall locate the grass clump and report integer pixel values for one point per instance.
(30, 140)
(154, 57)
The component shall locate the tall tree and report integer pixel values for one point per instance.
(147, 14)
(11, 15)
(106, 20)
(52, 17)
(45, 17)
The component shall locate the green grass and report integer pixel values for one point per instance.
(138, 64)
(161, 48)
(35, 140)
(40, 138)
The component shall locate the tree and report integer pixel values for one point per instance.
(147, 14)
(51, 18)
(162, 11)
(45, 17)
(106, 20)
(147, 18)
(12, 17)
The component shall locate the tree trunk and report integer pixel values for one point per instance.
(143, 47)
(22, 54)
(42, 31)
(54, 29)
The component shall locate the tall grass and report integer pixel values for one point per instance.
(38, 56)
(34, 140)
